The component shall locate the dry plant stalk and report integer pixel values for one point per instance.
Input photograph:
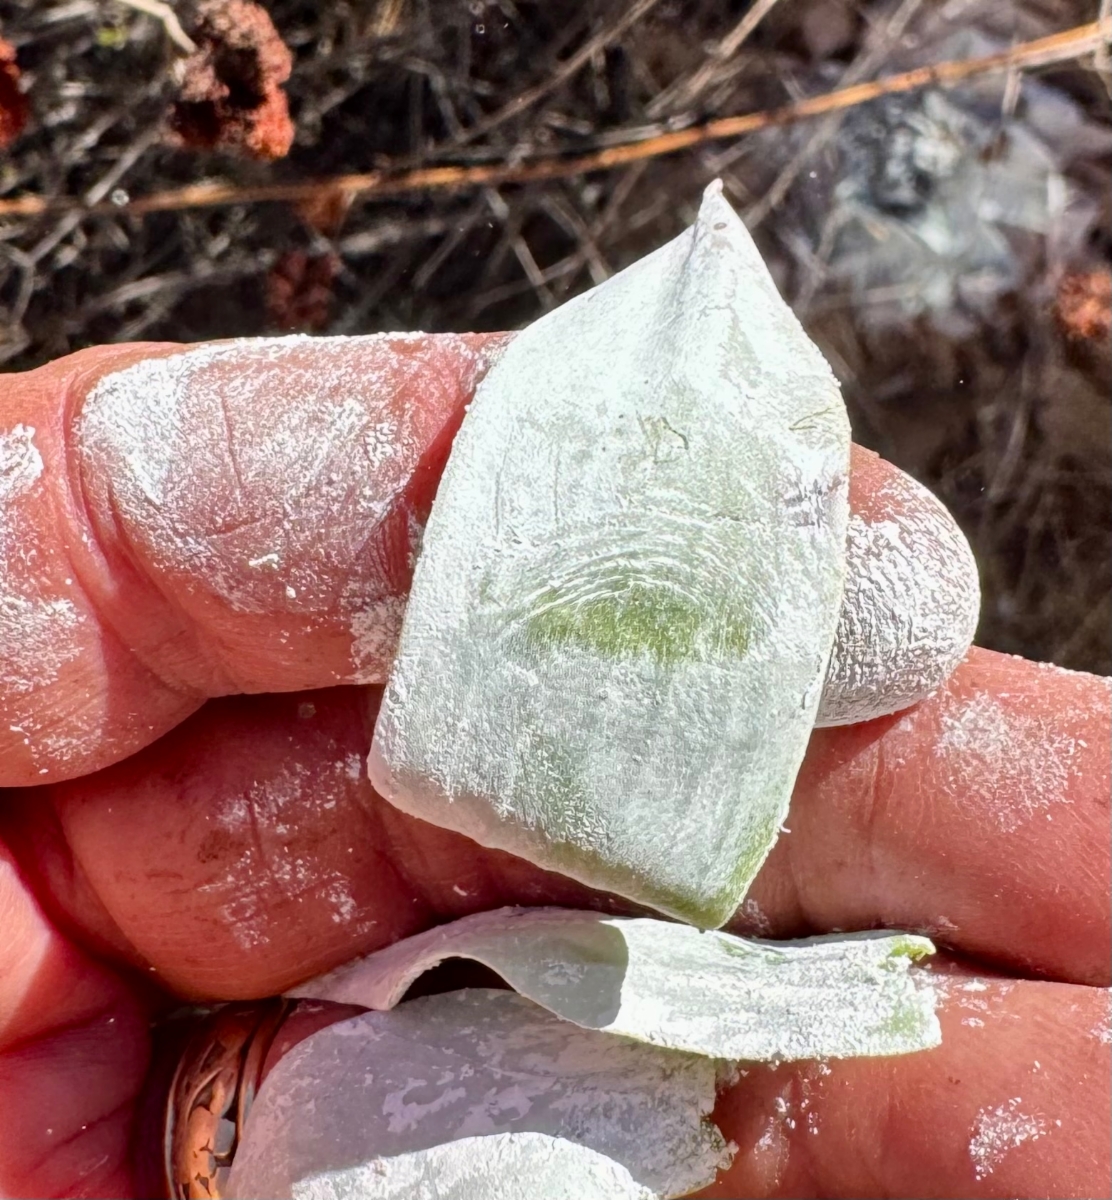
(1070, 44)
(163, 13)
(688, 89)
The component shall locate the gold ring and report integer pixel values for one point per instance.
(213, 1088)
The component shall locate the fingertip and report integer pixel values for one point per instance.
(911, 601)
(69, 691)
(270, 493)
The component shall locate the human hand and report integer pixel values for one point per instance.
(171, 538)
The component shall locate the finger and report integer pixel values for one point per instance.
(1015, 1102)
(246, 851)
(73, 1053)
(980, 817)
(237, 517)
(911, 601)
(243, 517)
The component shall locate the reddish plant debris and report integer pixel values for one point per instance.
(1085, 305)
(13, 103)
(299, 290)
(231, 95)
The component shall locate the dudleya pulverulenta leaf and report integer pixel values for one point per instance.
(482, 1168)
(674, 986)
(470, 1064)
(628, 589)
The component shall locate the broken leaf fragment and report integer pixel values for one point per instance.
(627, 593)
(471, 1064)
(641, 1015)
(674, 986)
(482, 1168)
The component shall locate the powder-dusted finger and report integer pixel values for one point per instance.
(265, 487)
(73, 695)
(245, 851)
(911, 602)
(73, 1051)
(1015, 1102)
(178, 524)
(980, 817)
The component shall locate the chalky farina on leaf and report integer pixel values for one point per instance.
(628, 589)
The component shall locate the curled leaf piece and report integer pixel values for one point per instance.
(470, 1064)
(501, 1166)
(708, 993)
(627, 593)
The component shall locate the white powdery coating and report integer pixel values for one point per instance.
(146, 412)
(35, 639)
(984, 1000)
(503, 1166)
(470, 1064)
(1015, 765)
(20, 462)
(673, 986)
(162, 428)
(1102, 1030)
(263, 467)
(909, 612)
(375, 630)
(754, 920)
(629, 585)
(36, 627)
(998, 1131)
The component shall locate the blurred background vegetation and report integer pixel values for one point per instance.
(949, 249)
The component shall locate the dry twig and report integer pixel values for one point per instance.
(163, 13)
(562, 73)
(1103, 59)
(1060, 47)
(687, 90)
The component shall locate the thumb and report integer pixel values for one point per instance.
(240, 517)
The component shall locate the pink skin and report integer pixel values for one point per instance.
(164, 601)
(232, 851)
